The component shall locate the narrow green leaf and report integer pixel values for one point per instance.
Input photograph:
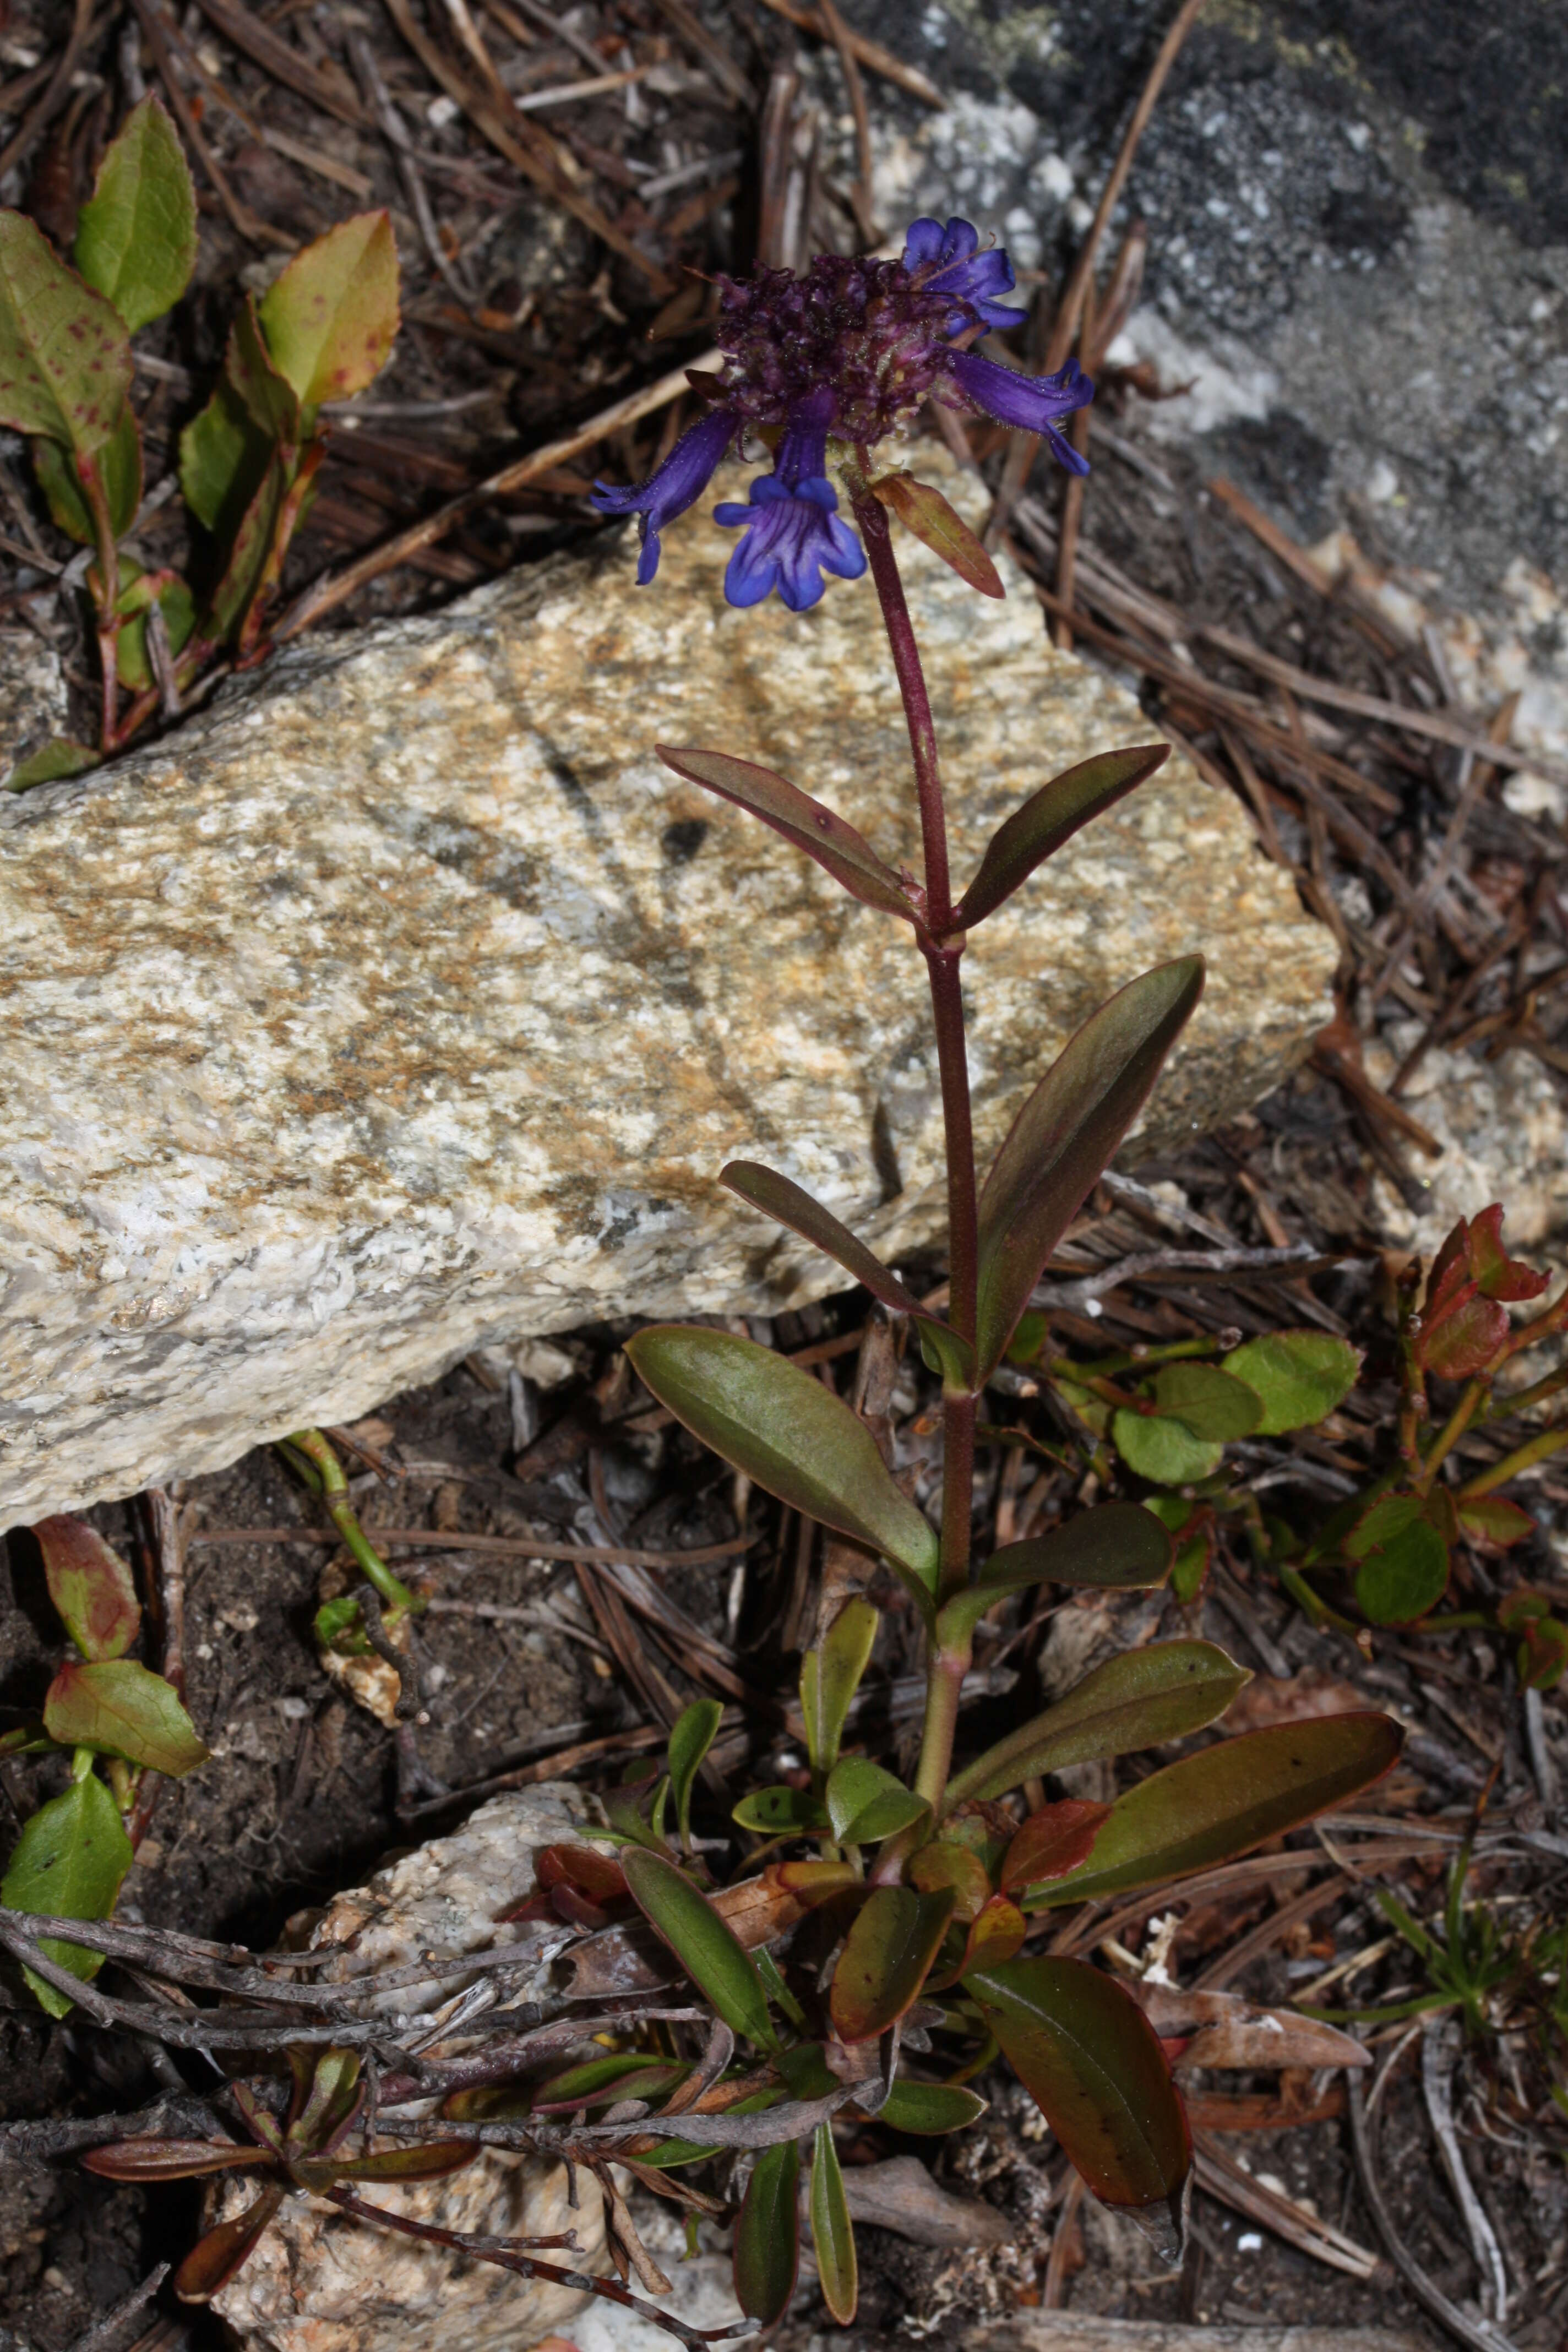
(772, 1419)
(922, 510)
(51, 764)
(1118, 1546)
(691, 1736)
(1092, 2063)
(248, 549)
(830, 1676)
(832, 2230)
(1064, 1135)
(774, 1812)
(866, 1804)
(226, 451)
(119, 463)
(1165, 1451)
(1211, 1807)
(68, 1863)
(333, 2096)
(927, 2108)
(767, 2235)
(136, 236)
(1301, 1376)
(124, 1709)
(1048, 819)
(1140, 1699)
(432, 2160)
(707, 1948)
(91, 1586)
(65, 356)
(894, 1939)
(330, 318)
(805, 823)
(598, 2080)
(1210, 1402)
(1404, 1577)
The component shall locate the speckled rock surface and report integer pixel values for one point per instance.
(320, 2282)
(403, 1002)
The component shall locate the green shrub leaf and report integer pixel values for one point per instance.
(706, 1946)
(70, 1861)
(136, 237)
(927, 2108)
(1404, 1577)
(1300, 1377)
(866, 1804)
(832, 2231)
(767, 2235)
(124, 1709)
(805, 824)
(51, 764)
(691, 1736)
(65, 356)
(830, 1676)
(330, 318)
(778, 1811)
(1208, 1400)
(892, 1941)
(91, 1586)
(1163, 1451)
(1118, 1546)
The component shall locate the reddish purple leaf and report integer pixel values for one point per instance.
(835, 845)
(886, 1959)
(1048, 819)
(214, 2260)
(922, 510)
(1052, 1842)
(91, 1586)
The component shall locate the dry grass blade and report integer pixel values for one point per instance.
(868, 53)
(56, 91)
(324, 85)
(1477, 2335)
(1224, 2177)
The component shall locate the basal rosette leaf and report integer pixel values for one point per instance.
(136, 236)
(89, 1585)
(791, 1435)
(68, 1864)
(214, 2258)
(1065, 1135)
(704, 1944)
(930, 2108)
(330, 318)
(832, 2231)
(1050, 818)
(1052, 1842)
(65, 356)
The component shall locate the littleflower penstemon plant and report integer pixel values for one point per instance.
(928, 1890)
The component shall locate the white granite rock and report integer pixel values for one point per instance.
(403, 1002)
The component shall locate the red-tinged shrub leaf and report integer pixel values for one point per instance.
(1500, 1276)
(811, 1883)
(136, 236)
(1209, 1808)
(124, 1709)
(691, 1735)
(922, 510)
(927, 2108)
(330, 318)
(68, 1864)
(65, 356)
(597, 2081)
(1065, 1136)
(1462, 1337)
(1523, 1606)
(1052, 1842)
(767, 2235)
(805, 823)
(1543, 1653)
(333, 2097)
(1091, 2061)
(941, 1864)
(791, 1435)
(169, 2159)
(996, 1935)
(430, 2160)
(1139, 1699)
(866, 1803)
(214, 2260)
(1402, 1579)
(1048, 819)
(597, 1875)
(1118, 1546)
(830, 1676)
(886, 1959)
(91, 1586)
(1494, 1521)
(832, 2231)
(706, 1946)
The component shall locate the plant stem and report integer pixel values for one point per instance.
(1458, 1421)
(944, 1680)
(873, 521)
(334, 1490)
(1524, 1457)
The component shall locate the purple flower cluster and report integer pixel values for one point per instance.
(848, 350)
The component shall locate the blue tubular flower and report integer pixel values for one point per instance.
(947, 261)
(671, 487)
(1031, 403)
(791, 533)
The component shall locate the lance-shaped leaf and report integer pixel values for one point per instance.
(433, 2160)
(1211, 1807)
(126, 1711)
(1065, 1134)
(791, 1435)
(91, 1586)
(1052, 1842)
(805, 823)
(52, 761)
(767, 2235)
(136, 236)
(1048, 819)
(706, 1946)
(691, 1736)
(1091, 2061)
(151, 2158)
(68, 1862)
(329, 2095)
(930, 2107)
(1118, 1546)
(886, 1959)
(866, 1803)
(65, 356)
(832, 2231)
(214, 2260)
(331, 317)
(922, 510)
(788, 1204)
(1139, 1699)
(830, 1676)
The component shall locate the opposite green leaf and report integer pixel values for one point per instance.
(1211, 1807)
(767, 2235)
(122, 1709)
(832, 2231)
(866, 1804)
(706, 1946)
(1164, 1451)
(330, 318)
(805, 823)
(136, 237)
(1048, 819)
(691, 1736)
(65, 356)
(794, 1436)
(1140, 1699)
(930, 2107)
(1301, 1376)
(70, 1861)
(1118, 1546)
(830, 1676)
